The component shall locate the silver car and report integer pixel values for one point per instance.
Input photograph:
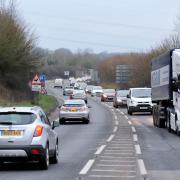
(27, 134)
(79, 94)
(73, 110)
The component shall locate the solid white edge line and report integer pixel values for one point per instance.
(133, 129)
(142, 167)
(110, 138)
(135, 138)
(100, 149)
(138, 149)
(86, 168)
(130, 122)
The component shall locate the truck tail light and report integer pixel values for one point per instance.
(38, 131)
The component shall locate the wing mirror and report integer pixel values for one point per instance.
(55, 124)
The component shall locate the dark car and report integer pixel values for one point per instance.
(68, 91)
(108, 95)
(120, 98)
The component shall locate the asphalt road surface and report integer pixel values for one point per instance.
(78, 142)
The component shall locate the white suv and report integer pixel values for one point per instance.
(139, 100)
(27, 134)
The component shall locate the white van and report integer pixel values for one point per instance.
(139, 100)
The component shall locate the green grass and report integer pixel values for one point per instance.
(47, 102)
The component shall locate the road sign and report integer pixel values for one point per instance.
(36, 84)
(42, 77)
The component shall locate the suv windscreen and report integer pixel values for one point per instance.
(141, 93)
(122, 93)
(16, 118)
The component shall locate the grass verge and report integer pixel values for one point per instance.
(48, 103)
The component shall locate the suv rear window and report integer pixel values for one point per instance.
(17, 118)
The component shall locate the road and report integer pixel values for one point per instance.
(113, 146)
(78, 142)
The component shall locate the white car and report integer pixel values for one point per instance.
(58, 83)
(139, 100)
(97, 91)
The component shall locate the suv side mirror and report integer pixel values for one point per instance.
(128, 96)
(55, 124)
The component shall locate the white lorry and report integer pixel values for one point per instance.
(165, 83)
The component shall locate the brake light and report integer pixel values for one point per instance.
(38, 131)
(35, 151)
(64, 109)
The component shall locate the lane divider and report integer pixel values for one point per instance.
(115, 129)
(87, 167)
(142, 167)
(138, 149)
(110, 138)
(135, 138)
(100, 149)
(130, 123)
(133, 129)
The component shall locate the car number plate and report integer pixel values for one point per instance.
(143, 107)
(11, 133)
(73, 110)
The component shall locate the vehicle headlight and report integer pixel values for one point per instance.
(119, 100)
(104, 95)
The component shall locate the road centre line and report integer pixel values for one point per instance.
(138, 149)
(142, 167)
(130, 123)
(100, 149)
(133, 129)
(115, 129)
(126, 117)
(110, 138)
(135, 138)
(87, 167)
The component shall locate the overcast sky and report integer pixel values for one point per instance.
(101, 25)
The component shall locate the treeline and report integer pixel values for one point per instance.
(54, 63)
(140, 63)
(17, 58)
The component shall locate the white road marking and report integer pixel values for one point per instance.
(115, 117)
(122, 113)
(112, 160)
(87, 167)
(115, 129)
(135, 138)
(110, 176)
(113, 170)
(100, 149)
(126, 117)
(130, 122)
(133, 129)
(110, 138)
(138, 149)
(116, 165)
(142, 167)
(114, 157)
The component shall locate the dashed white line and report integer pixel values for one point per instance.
(138, 149)
(115, 117)
(100, 149)
(142, 167)
(126, 117)
(87, 167)
(133, 129)
(130, 122)
(115, 129)
(135, 138)
(110, 138)
(122, 113)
